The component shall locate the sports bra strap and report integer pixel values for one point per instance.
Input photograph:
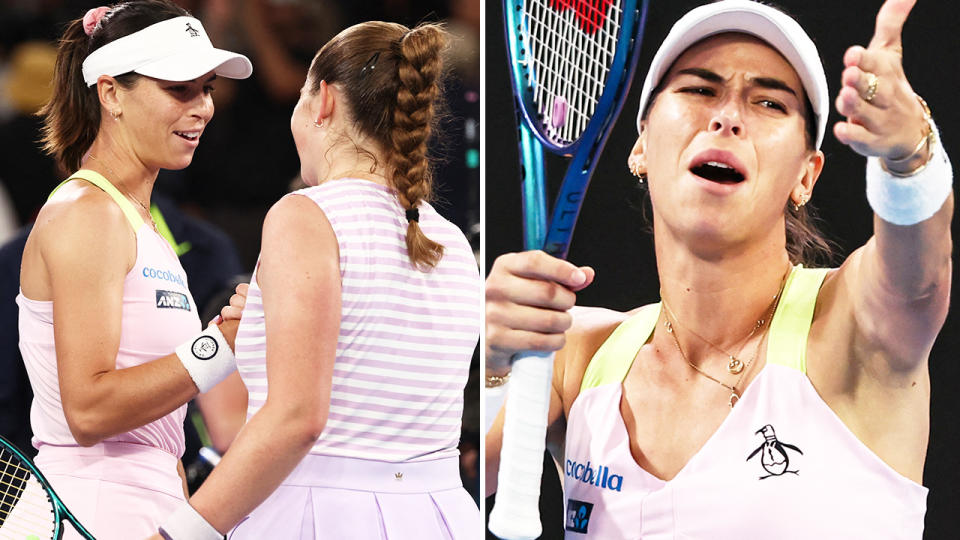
(613, 359)
(98, 180)
(790, 326)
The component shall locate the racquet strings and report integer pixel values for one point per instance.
(571, 45)
(26, 512)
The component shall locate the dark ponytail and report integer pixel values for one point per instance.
(71, 118)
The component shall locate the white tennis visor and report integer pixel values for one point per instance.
(176, 49)
(773, 26)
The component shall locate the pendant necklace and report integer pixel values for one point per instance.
(129, 195)
(735, 365)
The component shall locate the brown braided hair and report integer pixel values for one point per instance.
(391, 75)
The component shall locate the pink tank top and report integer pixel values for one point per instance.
(406, 336)
(782, 464)
(158, 314)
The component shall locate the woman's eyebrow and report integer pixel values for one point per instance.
(772, 83)
(703, 73)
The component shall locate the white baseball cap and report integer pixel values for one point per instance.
(176, 49)
(773, 26)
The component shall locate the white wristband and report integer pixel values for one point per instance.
(185, 523)
(493, 399)
(208, 358)
(910, 200)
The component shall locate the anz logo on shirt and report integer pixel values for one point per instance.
(599, 477)
(172, 299)
(578, 516)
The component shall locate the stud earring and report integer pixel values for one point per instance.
(318, 124)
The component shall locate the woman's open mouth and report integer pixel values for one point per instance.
(718, 166)
(716, 171)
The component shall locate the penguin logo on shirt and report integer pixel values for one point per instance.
(773, 453)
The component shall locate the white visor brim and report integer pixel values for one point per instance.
(176, 49)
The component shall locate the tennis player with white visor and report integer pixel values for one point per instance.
(759, 398)
(108, 329)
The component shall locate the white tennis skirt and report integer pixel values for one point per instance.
(336, 497)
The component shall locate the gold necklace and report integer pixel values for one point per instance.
(734, 365)
(128, 194)
(734, 394)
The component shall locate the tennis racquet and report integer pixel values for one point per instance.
(571, 63)
(29, 508)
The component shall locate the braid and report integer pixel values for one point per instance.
(419, 66)
(391, 75)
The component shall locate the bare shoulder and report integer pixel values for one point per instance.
(296, 233)
(78, 221)
(294, 217)
(591, 327)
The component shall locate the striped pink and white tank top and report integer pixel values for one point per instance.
(781, 465)
(158, 314)
(406, 336)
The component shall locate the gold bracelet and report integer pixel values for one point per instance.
(493, 381)
(928, 140)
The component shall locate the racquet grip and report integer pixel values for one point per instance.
(516, 512)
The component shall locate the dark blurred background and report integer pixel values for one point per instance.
(611, 236)
(247, 159)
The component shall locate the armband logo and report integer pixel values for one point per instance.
(204, 348)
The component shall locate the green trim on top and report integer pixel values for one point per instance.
(787, 345)
(129, 210)
(613, 359)
(165, 232)
(98, 180)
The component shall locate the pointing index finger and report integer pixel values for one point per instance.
(890, 20)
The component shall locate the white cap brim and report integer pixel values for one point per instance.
(776, 28)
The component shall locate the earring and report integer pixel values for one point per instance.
(635, 169)
(803, 201)
(318, 124)
(115, 115)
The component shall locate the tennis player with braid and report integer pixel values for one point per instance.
(104, 301)
(360, 323)
(759, 398)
